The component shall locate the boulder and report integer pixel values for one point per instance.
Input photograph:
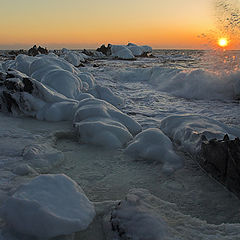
(221, 159)
(48, 206)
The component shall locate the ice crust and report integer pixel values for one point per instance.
(153, 145)
(189, 130)
(100, 123)
(144, 216)
(130, 51)
(48, 206)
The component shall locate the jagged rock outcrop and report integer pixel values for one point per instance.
(37, 50)
(221, 158)
(105, 50)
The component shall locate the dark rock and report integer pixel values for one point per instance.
(17, 52)
(28, 85)
(221, 158)
(88, 53)
(37, 50)
(9, 101)
(105, 50)
(42, 50)
(95, 65)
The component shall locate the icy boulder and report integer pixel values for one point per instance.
(135, 219)
(42, 157)
(100, 123)
(190, 130)
(74, 58)
(144, 216)
(21, 63)
(122, 52)
(106, 94)
(63, 82)
(48, 206)
(153, 145)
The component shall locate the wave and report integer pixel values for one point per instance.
(190, 83)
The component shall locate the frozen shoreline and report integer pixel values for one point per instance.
(108, 175)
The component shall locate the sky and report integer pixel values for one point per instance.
(91, 23)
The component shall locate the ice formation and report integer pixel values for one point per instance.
(42, 157)
(122, 52)
(189, 130)
(100, 123)
(144, 216)
(153, 145)
(48, 206)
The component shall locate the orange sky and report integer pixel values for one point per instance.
(88, 24)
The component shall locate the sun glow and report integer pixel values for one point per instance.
(222, 42)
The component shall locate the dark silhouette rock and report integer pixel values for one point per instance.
(221, 158)
(105, 50)
(37, 50)
(88, 53)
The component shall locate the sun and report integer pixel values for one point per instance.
(222, 42)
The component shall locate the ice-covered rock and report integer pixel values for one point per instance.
(100, 123)
(122, 52)
(75, 58)
(24, 169)
(135, 219)
(63, 82)
(153, 145)
(190, 130)
(59, 111)
(104, 93)
(42, 157)
(144, 216)
(136, 50)
(48, 206)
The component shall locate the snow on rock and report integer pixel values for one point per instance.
(63, 82)
(21, 63)
(190, 130)
(100, 123)
(42, 157)
(74, 58)
(60, 111)
(87, 78)
(153, 145)
(136, 50)
(144, 216)
(122, 52)
(106, 94)
(24, 169)
(135, 219)
(48, 206)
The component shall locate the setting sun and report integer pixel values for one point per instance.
(222, 42)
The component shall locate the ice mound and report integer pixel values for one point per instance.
(24, 95)
(21, 63)
(190, 130)
(139, 51)
(48, 206)
(42, 157)
(135, 219)
(74, 58)
(106, 94)
(153, 145)
(100, 123)
(144, 216)
(122, 52)
(63, 82)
